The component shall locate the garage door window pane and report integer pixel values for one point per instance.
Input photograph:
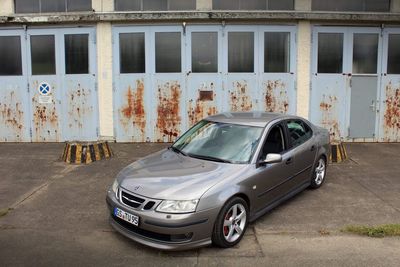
(182, 5)
(365, 52)
(27, 6)
(52, 6)
(351, 5)
(204, 52)
(276, 51)
(253, 5)
(127, 5)
(79, 5)
(132, 53)
(155, 5)
(226, 4)
(168, 52)
(330, 52)
(393, 66)
(10, 55)
(280, 4)
(241, 52)
(43, 55)
(76, 53)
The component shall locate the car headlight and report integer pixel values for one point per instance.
(114, 187)
(177, 206)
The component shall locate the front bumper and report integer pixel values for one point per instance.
(165, 231)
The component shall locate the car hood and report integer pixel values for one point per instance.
(168, 175)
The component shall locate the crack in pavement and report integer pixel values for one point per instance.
(36, 190)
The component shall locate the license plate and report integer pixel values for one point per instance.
(130, 218)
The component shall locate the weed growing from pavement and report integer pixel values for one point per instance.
(374, 231)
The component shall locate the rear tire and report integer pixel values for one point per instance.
(319, 173)
(231, 223)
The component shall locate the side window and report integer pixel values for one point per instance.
(275, 142)
(299, 132)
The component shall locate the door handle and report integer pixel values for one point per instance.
(373, 106)
(312, 148)
(289, 161)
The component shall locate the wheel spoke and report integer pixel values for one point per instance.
(227, 223)
(238, 229)
(230, 234)
(234, 211)
(240, 216)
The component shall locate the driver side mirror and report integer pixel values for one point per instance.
(272, 158)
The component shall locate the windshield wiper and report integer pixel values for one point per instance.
(177, 150)
(209, 158)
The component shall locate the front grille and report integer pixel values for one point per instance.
(177, 238)
(131, 200)
(136, 201)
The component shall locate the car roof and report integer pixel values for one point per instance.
(255, 118)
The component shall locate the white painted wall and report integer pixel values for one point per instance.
(395, 6)
(303, 68)
(105, 79)
(302, 5)
(203, 4)
(6, 7)
(103, 5)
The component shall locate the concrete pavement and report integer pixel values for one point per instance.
(58, 214)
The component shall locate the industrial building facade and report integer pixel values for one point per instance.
(146, 70)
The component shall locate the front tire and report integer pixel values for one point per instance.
(231, 223)
(319, 173)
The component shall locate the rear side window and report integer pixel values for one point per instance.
(299, 132)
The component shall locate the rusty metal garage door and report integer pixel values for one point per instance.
(167, 78)
(52, 95)
(345, 81)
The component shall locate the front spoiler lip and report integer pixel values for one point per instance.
(158, 244)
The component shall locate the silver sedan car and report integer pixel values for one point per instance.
(224, 172)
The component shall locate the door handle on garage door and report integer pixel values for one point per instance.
(289, 161)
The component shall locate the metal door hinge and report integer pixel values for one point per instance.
(95, 86)
(28, 87)
(97, 131)
(113, 87)
(30, 132)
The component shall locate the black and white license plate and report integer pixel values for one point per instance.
(130, 218)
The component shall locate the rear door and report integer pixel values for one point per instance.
(303, 150)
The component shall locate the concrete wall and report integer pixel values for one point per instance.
(103, 5)
(204, 4)
(395, 6)
(303, 68)
(302, 5)
(105, 79)
(6, 7)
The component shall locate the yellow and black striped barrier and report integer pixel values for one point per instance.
(85, 153)
(338, 153)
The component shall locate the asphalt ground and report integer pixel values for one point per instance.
(52, 213)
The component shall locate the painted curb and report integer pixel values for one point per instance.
(85, 153)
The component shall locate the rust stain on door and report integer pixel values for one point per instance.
(203, 106)
(133, 112)
(11, 117)
(392, 113)
(79, 107)
(168, 112)
(329, 120)
(276, 96)
(239, 99)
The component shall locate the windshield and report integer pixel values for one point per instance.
(222, 142)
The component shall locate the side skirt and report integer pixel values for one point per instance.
(274, 204)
